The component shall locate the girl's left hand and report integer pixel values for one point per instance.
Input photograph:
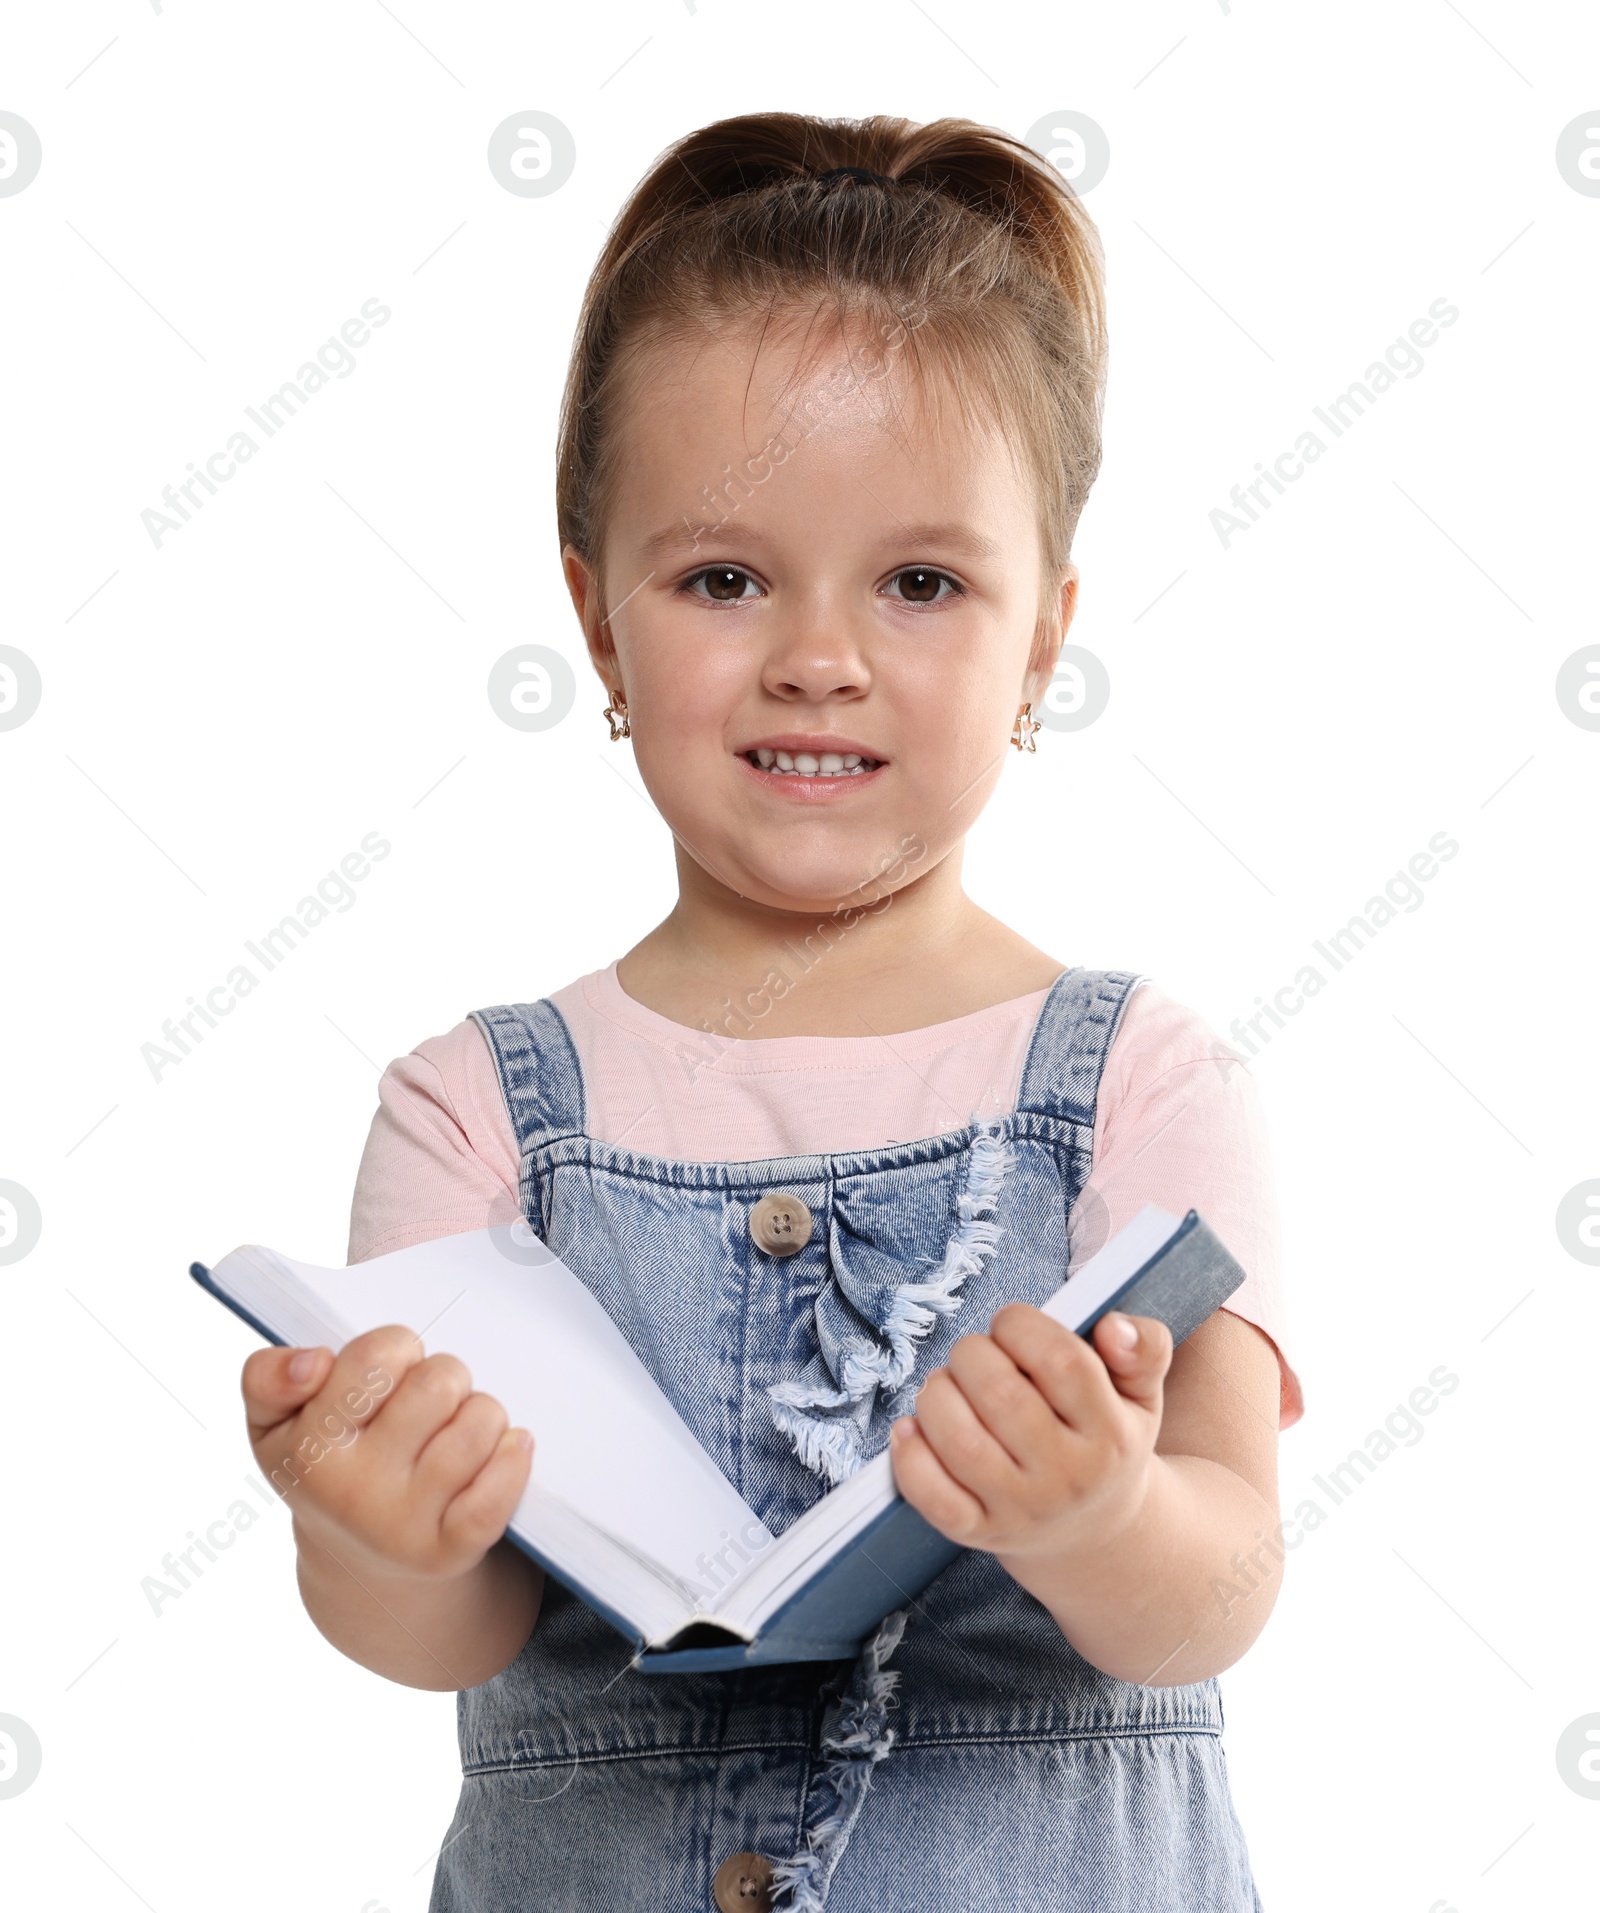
(1032, 1444)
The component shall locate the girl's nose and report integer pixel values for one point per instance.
(816, 653)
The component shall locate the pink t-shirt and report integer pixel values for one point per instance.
(1174, 1125)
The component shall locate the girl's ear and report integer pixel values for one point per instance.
(584, 586)
(1047, 648)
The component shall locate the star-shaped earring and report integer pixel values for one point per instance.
(1025, 729)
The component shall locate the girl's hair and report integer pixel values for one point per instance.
(974, 251)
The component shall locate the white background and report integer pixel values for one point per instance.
(1292, 718)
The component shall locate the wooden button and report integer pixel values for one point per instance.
(744, 1884)
(780, 1223)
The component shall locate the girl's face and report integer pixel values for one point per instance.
(798, 572)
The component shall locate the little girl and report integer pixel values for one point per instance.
(825, 1138)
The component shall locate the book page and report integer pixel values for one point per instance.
(607, 1440)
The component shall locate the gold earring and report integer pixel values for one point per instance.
(1025, 729)
(617, 708)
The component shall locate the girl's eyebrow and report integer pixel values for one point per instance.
(672, 537)
(952, 537)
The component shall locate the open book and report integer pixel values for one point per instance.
(623, 1504)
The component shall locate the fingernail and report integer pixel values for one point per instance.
(901, 1431)
(522, 1437)
(1124, 1334)
(301, 1364)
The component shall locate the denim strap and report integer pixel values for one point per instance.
(1061, 1076)
(539, 1071)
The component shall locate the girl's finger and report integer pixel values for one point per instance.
(970, 1454)
(427, 1397)
(1067, 1371)
(459, 1450)
(1006, 1401)
(277, 1382)
(1137, 1350)
(346, 1392)
(476, 1518)
(924, 1481)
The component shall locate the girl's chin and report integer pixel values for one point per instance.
(819, 864)
(844, 887)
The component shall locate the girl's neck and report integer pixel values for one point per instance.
(926, 955)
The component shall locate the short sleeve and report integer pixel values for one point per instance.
(440, 1156)
(1179, 1123)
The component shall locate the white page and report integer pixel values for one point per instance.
(607, 1440)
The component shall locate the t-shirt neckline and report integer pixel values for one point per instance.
(605, 995)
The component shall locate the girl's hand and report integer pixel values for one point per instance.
(388, 1460)
(1032, 1445)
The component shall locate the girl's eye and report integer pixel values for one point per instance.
(919, 585)
(724, 584)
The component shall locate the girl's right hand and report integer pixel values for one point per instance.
(389, 1460)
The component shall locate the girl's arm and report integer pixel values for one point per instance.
(422, 1633)
(1140, 1506)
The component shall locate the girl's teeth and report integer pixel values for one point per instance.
(811, 763)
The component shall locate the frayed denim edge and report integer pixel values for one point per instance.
(833, 1447)
(859, 1740)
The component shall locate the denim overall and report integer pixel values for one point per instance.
(968, 1758)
